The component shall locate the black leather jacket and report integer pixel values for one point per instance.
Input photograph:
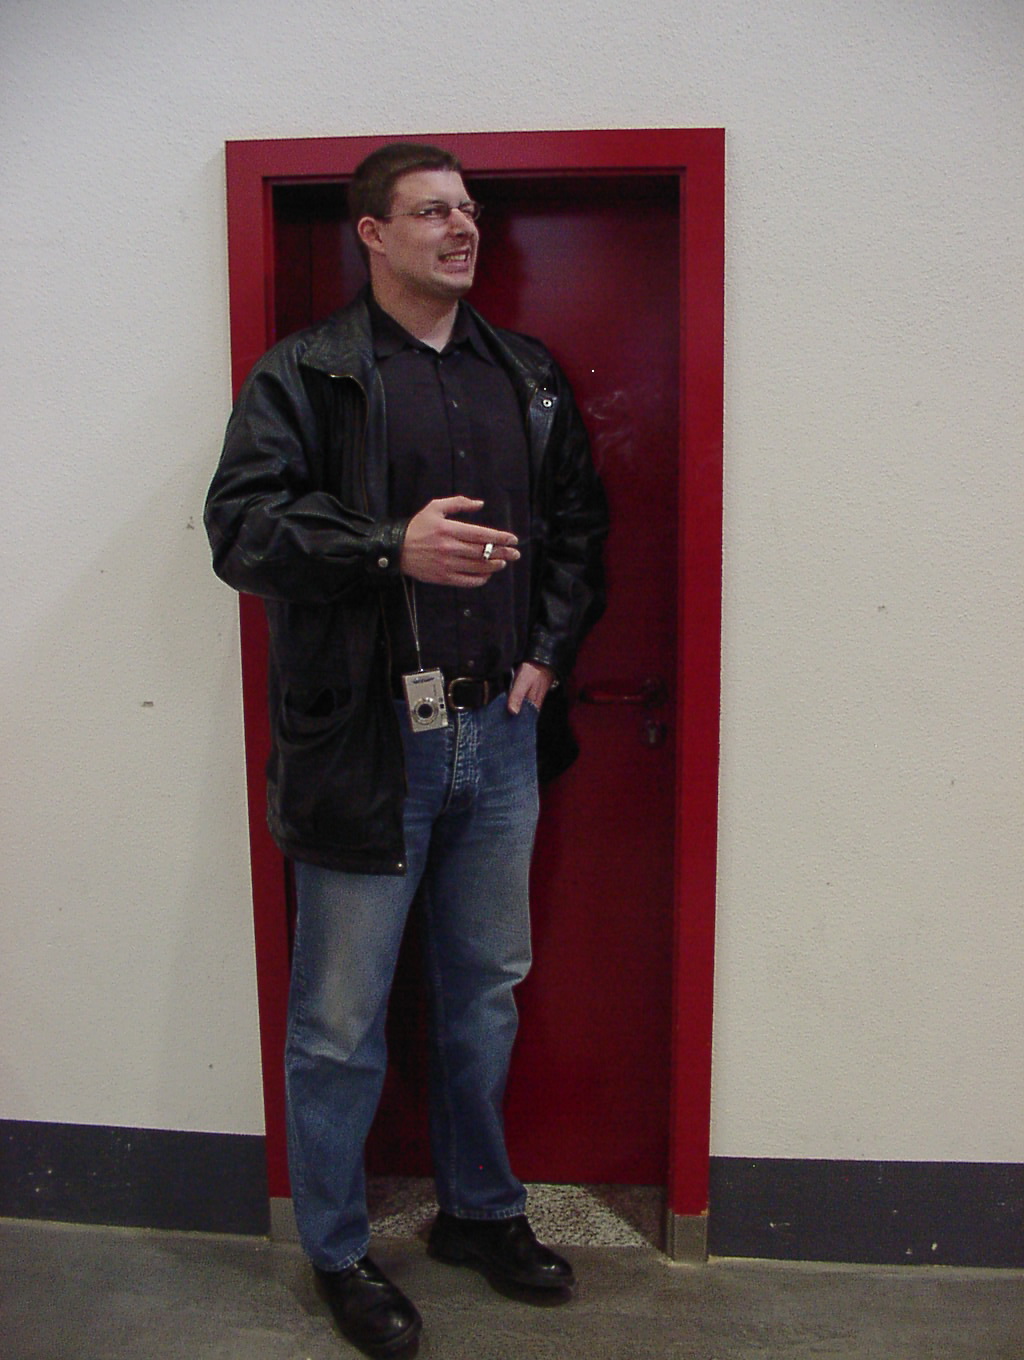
(297, 513)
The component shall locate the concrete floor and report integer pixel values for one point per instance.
(84, 1293)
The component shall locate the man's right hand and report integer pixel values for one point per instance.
(448, 552)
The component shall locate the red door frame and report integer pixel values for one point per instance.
(697, 157)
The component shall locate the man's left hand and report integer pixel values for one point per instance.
(531, 686)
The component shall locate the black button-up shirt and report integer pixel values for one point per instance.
(455, 429)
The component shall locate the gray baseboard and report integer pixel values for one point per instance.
(878, 1213)
(143, 1178)
(871, 1213)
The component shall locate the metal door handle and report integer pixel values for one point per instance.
(652, 693)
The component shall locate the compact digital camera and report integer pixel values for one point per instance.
(424, 695)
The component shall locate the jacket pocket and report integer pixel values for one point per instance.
(335, 776)
(307, 713)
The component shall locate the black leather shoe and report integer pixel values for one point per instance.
(505, 1249)
(370, 1311)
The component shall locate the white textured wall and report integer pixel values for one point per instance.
(869, 997)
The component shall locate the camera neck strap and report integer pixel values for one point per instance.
(414, 618)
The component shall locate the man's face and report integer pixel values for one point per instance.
(426, 259)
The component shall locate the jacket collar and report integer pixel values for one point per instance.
(342, 346)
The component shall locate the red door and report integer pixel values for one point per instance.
(590, 263)
(593, 1055)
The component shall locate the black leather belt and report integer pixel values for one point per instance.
(467, 691)
(462, 692)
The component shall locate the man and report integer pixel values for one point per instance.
(411, 492)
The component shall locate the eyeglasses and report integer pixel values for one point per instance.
(436, 213)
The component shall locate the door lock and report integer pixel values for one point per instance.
(650, 694)
(653, 733)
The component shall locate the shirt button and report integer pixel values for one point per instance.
(383, 563)
(460, 453)
(467, 613)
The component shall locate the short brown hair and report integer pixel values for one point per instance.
(372, 186)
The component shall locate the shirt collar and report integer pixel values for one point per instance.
(389, 337)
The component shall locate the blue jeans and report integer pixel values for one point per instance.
(470, 818)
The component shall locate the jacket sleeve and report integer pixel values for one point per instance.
(573, 526)
(273, 528)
